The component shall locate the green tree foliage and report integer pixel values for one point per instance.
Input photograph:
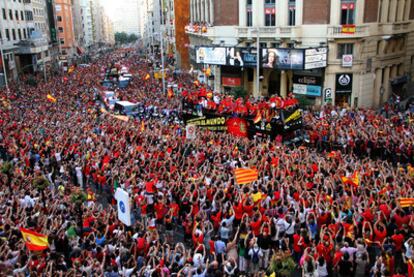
(123, 38)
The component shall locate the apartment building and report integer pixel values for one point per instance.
(348, 52)
(65, 34)
(23, 36)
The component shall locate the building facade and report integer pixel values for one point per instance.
(348, 52)
(64, 20)
(24, 36)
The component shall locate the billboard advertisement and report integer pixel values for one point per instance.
(282, 58)
(211, 55)
(241, 57)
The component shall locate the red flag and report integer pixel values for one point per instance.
(237, 127)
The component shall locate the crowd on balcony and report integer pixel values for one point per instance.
(198, 27)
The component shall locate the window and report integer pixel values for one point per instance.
(292, 13)
(11, 14)
(21, 15)
(347, 12)
(345, 49)
(29, 15)
(249, 15)
(16, 15)
(24, 33)
(263, 45)
(19, 32)
(62, 41)
(14, 34)
(4, 14)
(60, 29)
(270, 13)
(59, 18)
(8, 34)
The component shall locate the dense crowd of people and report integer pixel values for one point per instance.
(190, 217)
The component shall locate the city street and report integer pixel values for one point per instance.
(206, 138)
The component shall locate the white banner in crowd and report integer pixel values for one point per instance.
(190, 131)
(124, 208)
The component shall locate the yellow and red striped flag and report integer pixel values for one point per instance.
(34, 241)
(245, 175)
(406, 202)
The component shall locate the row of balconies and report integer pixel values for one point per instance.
(332, 32)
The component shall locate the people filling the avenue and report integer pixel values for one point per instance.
(339, 204)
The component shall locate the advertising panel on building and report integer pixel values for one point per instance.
(241, 57)
(211, 55)
(282, 58)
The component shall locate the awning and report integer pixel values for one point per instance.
(399, 80)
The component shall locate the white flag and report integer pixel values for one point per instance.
(190, 131)
(124, 208)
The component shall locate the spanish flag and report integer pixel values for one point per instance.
(34, 241)
(406, 202)
(50, 98)
(147, 77)
(196, 83)
(245, 175)
(353, 180)
(257, 118)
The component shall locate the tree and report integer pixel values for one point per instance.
(239, 92)
(41, 183)
(121, 38)
(7, 169)
(78, 198)
(132, 38)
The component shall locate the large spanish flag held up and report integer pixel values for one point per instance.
(34, 241)
(245, 175)
(353, 180)
(406, 202)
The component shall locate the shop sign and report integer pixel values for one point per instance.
(347, 60)
(328, 94)
(316, 58)
(307, 90)
(343, 83)
(231, 81)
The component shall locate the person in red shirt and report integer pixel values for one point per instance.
(256, 224)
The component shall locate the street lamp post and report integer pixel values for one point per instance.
(258, 62)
